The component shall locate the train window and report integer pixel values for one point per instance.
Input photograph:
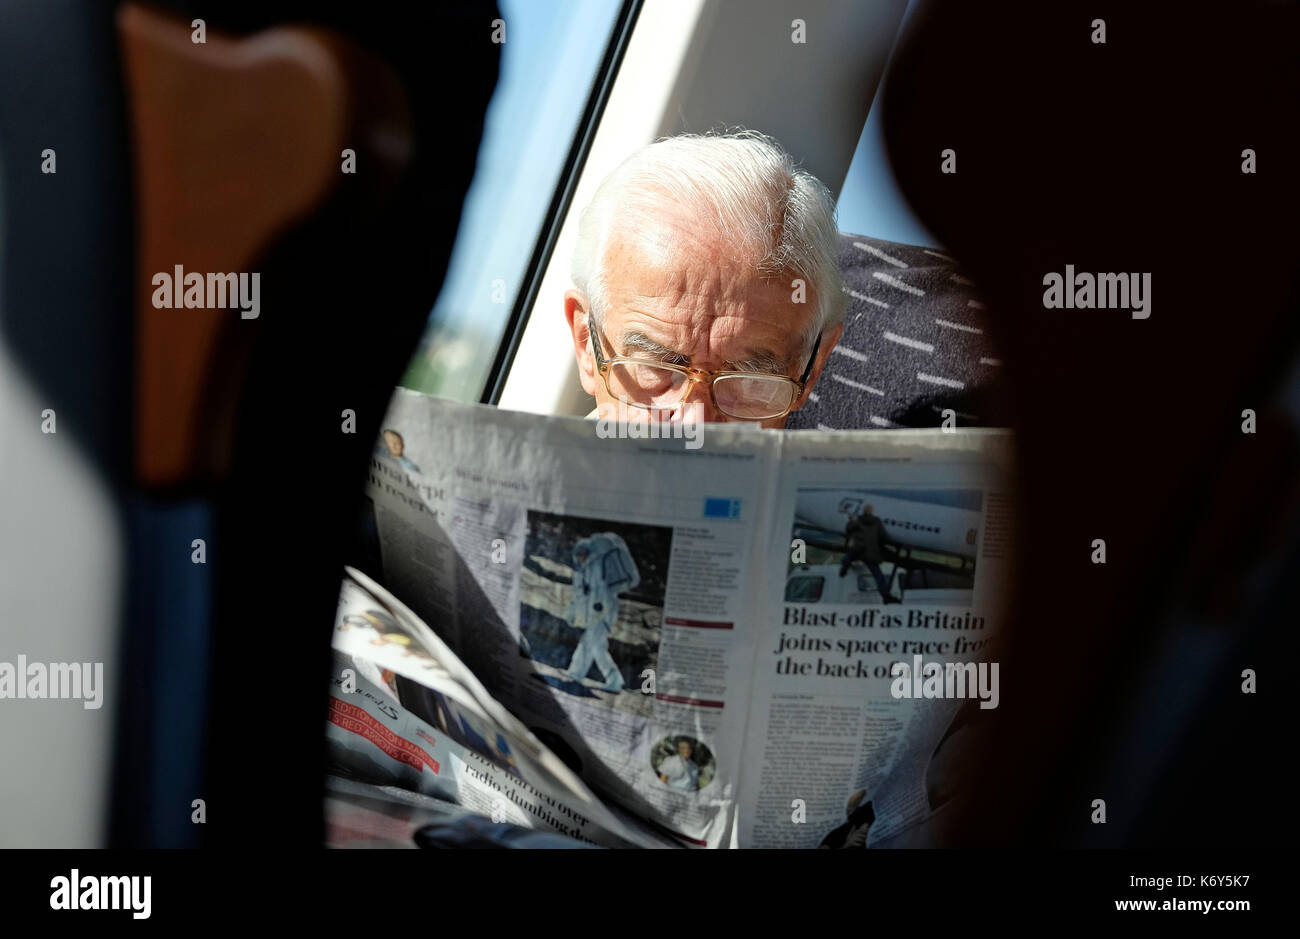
(870, 202)
(553, 53)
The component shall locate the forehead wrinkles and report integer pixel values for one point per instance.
(698, 312)
(688, 292)
(652, 276)
(697, 276)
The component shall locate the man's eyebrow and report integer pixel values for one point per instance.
(758, 361)
(761, 361)
(643, 343)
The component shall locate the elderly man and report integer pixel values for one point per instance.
(707, 286)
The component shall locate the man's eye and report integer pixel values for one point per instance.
(650, 377)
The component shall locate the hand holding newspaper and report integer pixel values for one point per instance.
(775, 639)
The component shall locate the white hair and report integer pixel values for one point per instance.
(743, 183)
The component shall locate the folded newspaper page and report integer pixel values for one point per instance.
(749, 638)
(404, 711)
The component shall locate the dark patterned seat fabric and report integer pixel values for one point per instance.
(915, 343)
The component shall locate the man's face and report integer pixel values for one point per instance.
(676, 292)
(393, 442)
(684, 750)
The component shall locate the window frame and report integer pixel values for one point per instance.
(561, 200)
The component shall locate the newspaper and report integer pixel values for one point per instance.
(405, 712)
(718, 636)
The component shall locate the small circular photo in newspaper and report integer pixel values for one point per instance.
(682, 763)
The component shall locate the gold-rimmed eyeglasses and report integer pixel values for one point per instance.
(659, 386)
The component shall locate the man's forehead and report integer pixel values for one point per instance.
(700, 303)
(664, 262)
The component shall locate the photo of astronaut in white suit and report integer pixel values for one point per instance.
(591, 599)
(602, 567)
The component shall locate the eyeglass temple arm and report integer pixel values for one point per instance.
(811, 359)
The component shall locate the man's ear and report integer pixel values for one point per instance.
(578, 314)
(829, 339)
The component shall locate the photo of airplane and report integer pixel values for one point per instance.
(927, 550)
